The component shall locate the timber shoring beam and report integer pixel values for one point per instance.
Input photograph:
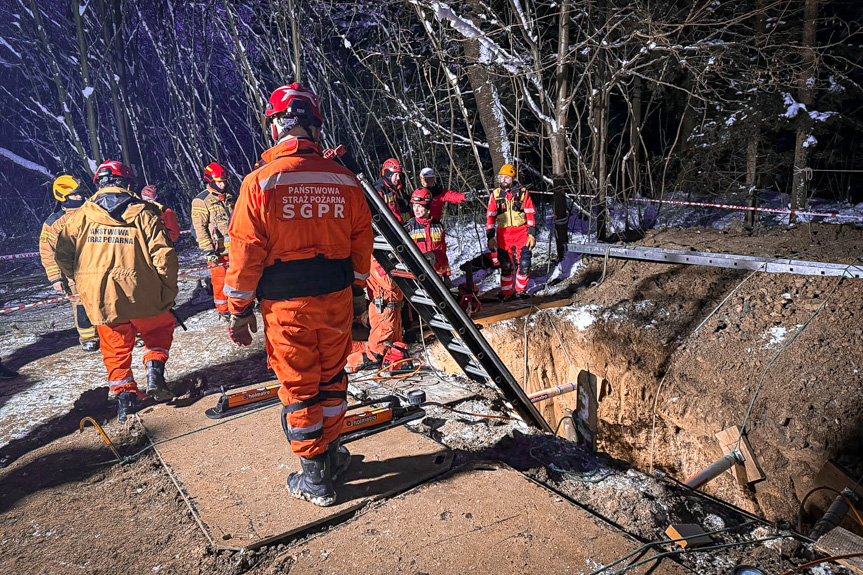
(730, 261)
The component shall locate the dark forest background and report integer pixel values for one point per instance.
(598, 98)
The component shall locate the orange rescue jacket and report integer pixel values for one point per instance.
(301, 228)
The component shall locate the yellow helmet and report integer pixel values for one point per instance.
(507, 170)
(64, 186)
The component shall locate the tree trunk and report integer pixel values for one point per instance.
(58, 82)
(635, 137)
(113, 48)
(488, 106)
(804, 94)
(558, 133)
(92, 125)
(752, 174)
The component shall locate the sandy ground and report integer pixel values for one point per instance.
(62, 510)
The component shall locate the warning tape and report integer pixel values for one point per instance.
(28, 305)
(64, 298)
(20, 256)
(750, 208)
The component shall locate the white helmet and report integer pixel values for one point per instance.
(427, 173)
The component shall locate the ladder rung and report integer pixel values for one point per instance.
(441, 325)
(382, 246)
(420, 300)
(458, 348)
(475, 369)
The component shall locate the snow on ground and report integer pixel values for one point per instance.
(50, 385)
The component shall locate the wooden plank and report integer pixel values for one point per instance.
(750, 471)
(588, 408)
(840, 541)
(831, 475)
(520, 308)
(232, 476)
(487, 518)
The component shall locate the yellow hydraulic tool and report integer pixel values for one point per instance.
(104, 435)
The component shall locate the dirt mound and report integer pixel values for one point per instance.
(643, 325)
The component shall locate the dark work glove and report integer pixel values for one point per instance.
(242, 326)
(358, 299)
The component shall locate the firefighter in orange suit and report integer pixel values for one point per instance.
(511, 211)
(117, 250)
(301, 240)
(386, 301)
(211, 214)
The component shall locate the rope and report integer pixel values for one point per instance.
(776, 356)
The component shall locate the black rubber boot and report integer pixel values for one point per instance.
(314, 483)
(339, 458)
(126, 405)
(156, 387)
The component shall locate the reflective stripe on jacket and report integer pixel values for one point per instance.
(430, 236)
(296, 215)
(48, 242)
(510, 209)
(211, 216)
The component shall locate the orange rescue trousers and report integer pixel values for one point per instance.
(117, 340)
(385, 317)
(217, 276)
(308, 341)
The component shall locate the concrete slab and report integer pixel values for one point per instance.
(487, 519)
(233, 475)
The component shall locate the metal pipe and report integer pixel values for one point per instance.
(835, 514)
(715, 469)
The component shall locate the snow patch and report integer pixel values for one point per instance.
(581, 317)
(793, 107)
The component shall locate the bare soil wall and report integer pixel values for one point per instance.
(639, 326)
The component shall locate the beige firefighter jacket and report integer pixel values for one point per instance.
(48, 242)
(210, 218)
(117, 250)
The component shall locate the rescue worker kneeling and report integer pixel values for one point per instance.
(301, 237)
(117, 250)
(386, 301)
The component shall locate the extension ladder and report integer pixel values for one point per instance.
(401, 258)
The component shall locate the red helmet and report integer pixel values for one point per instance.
(114, 170)
(422, 197)
(392, 166)
(216, 173)
(297, 101)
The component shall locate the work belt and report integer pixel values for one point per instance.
(305, 435)
(305, 278)
(382, 304)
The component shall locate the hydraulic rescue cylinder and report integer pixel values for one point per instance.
(835, 514)
(716, 469)
(544, 394)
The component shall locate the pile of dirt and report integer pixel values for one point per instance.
(642, 327)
